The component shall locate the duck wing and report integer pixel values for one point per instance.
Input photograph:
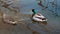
(37, 18)
(40, 16)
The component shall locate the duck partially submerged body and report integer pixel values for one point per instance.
(38, 17)
(8, 19)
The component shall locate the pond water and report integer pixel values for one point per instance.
(25, 6)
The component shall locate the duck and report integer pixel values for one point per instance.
(38, 17)
(7, 19)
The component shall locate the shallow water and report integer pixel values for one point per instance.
(25, 6)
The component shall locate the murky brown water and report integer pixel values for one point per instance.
(26, 26)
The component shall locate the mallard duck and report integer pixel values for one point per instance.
(8, 19)
(38, 17)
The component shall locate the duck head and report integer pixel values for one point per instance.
(34, 12)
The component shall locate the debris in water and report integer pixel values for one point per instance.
(44, 7)
(40, 4)
(5, 5)
(35, 32)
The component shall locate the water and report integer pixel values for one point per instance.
(25, 6)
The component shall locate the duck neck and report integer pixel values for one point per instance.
(34, 12)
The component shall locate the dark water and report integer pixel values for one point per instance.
(25, 6)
